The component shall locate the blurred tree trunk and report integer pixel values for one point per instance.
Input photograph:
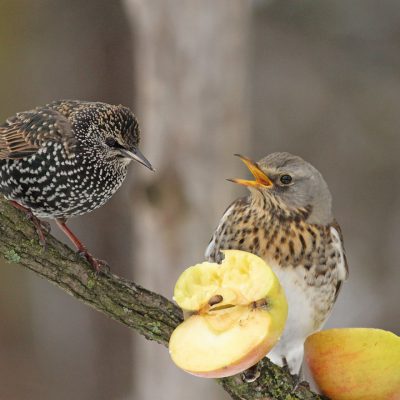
(193, 107)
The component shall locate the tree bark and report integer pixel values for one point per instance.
(150, 314)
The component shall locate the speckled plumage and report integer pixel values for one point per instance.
(68, 157)
(63, 168)
(303, 246)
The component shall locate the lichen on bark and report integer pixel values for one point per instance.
(148, 313)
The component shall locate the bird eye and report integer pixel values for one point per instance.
(111, 142)
(286, 179)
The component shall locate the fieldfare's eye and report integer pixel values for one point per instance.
(286, 179)
(111, 142)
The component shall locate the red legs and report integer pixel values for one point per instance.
(97, 265)
(41, 226)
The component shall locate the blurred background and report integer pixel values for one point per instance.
(206, 80)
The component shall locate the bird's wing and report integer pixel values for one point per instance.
(212, 252)
(24, 133)
(67, 107)
(337, 237)
(342, 267)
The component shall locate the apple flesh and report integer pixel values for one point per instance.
(238, 313)
(355, 363)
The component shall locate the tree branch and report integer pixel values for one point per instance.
(148, 313)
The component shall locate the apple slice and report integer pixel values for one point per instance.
(355, 363)
(238, 313)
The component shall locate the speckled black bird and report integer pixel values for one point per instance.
(66, 159)
(287, 220)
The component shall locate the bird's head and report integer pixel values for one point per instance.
(113, 131)
(290, 183)
(122, 140)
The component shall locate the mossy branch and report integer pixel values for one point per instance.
(148, 313)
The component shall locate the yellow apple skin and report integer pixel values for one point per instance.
(241, 329)
(355, 363)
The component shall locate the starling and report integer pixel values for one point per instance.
(65, 159)
(287, 220)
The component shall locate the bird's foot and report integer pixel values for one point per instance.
(286, 368)
(43, 228)
(297, 378)
(100, 266)
(251, 374)
(299, 384)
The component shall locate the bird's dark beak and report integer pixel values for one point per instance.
(261, 179)
(135, 154)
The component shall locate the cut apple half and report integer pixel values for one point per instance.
(238, 313)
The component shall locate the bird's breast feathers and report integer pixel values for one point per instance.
(308, 258)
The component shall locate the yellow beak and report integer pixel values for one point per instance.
(261, 179)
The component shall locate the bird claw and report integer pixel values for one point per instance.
(286, 368)
(251, 374)
(299, 383)
(103, 267)
(42, 228)
(45, 226)
(100, 266)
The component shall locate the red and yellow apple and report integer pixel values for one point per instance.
(355, 363)
(238, 311)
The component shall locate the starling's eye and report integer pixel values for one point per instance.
(286, 179)
(111, 142)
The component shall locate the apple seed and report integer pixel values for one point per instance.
(216, 299)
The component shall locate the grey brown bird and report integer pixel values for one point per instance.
(287, 220)
(66, 159)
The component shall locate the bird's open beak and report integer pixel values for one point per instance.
(261, 179)
(137, 156)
